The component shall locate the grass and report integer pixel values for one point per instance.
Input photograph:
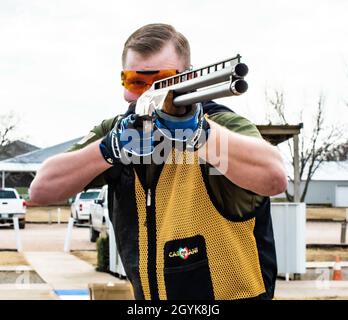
(326, 213)
(326, 254)
(41, 214)
(12, 258)
(87, 256)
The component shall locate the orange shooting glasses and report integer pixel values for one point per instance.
(138, 81)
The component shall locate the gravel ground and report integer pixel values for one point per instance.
(46, 237)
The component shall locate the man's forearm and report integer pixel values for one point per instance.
(249, 162)
(64, 175)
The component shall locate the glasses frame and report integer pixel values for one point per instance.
(147, 84)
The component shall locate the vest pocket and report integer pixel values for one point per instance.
(190, 282)
(186, 270)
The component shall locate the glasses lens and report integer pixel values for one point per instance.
(140, 81)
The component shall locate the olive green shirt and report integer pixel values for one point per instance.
(227, 194)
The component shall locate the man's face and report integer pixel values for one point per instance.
(167, 58)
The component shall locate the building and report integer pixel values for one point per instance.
(16, 148)
(19, 171)
(329, 185)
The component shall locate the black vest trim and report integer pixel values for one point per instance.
(124, 217)
(152, 249)
(151, 183)
(263, 233)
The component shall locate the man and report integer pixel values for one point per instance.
(182, 233)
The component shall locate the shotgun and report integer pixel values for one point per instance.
(217, 80)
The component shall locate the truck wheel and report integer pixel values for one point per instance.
(93, 234)
(77, 220)
(21, 224)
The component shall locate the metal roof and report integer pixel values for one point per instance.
(31, 161)
(16, 148)
(332, 171)
(327, 171)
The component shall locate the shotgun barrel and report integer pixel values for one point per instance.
(227, 89)
(218, 80)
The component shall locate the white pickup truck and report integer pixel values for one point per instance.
(12, 205)
(98, 212)
(99, 222)
(80, 208)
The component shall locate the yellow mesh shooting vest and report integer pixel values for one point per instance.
(223, 256)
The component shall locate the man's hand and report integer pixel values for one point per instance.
(192, 128)
(134, 134)
(127, 136)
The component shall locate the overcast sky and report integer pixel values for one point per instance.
(60, 59)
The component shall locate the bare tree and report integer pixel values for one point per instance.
(318, 146)
(8, 124)
(340, 153)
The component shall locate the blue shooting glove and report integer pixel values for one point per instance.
(127, 136)
(192, 128)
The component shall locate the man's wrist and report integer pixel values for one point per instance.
(201, 135)
(109, 147)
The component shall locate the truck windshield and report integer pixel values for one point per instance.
(89, 195)
(7, 194)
